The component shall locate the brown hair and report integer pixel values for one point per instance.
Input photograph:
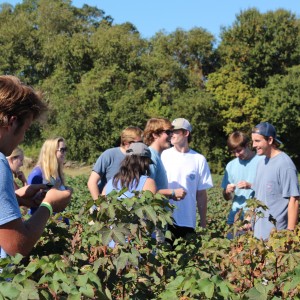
(131, 170)
(19, 100)
(155, 125)
(237, 139)
(130, 133)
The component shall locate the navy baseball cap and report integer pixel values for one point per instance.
(266, 129)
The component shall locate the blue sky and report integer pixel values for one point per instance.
(153, 15)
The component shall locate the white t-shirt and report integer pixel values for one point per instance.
(189, 171)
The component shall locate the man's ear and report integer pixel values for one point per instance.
(270, 140)
(155, 135)
(187, 133)
(12, 120)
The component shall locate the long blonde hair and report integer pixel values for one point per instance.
(48, 161)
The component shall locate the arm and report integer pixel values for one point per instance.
(21, 177)
(179, 194)
(31, 195)
(150, 185)
(228, 192)
(293, 211)
(93, 185)
(20, 237)
(201, 198)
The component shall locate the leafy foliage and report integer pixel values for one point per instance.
(76, 262)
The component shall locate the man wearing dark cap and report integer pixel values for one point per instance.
(276, 183)
(189, 170)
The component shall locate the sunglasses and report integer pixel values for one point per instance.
(62, 149)
(168, 131)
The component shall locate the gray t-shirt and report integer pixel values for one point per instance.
(275, 182)
(108, 164)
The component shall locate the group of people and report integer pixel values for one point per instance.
(268, 174)
(148, 163)
(182, 175)
(158, 159)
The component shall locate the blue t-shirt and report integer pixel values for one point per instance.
(276, 181)
(36, 177)
(8, 202)
(157, 170)
(109, 187)
(108, 165)
(239, 170)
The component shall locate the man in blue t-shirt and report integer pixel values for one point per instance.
(157, 136)
(276, 183)
(239, 173)
(108, 163)
(20, 105)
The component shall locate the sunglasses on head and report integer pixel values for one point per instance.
(62, 149)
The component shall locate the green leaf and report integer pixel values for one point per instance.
(111, 212)
(87, 290)
(122, 261)
(82, 280)
(8, 290)
(207, 287)
(118, 236)
(150, 213)
(106, 235)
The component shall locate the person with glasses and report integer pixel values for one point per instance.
(108, 163)
(189, 170)
(49, 167)
(20, 105)
(239, 174)
(276, 183)
(157, 135)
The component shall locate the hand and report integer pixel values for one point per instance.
(230, 188)
(58, 199)
(179, 194)
(244, 185)
(29, 191)
(20, 175)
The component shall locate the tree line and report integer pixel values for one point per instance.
(99, 77)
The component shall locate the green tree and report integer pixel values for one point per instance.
(281, 99)
(261, 45)
(200, 108)
(238, 103)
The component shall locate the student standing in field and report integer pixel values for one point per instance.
(108, 164)
(276, 183)
(49, 168)
(20, 105)
(157, 134)
(189, 170)
(239, 173)
(133, 174)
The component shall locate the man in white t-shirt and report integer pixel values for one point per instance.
(189, 170)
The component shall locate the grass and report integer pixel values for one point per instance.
(72, 172)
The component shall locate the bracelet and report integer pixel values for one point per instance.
(47, 205)
(173, 194)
